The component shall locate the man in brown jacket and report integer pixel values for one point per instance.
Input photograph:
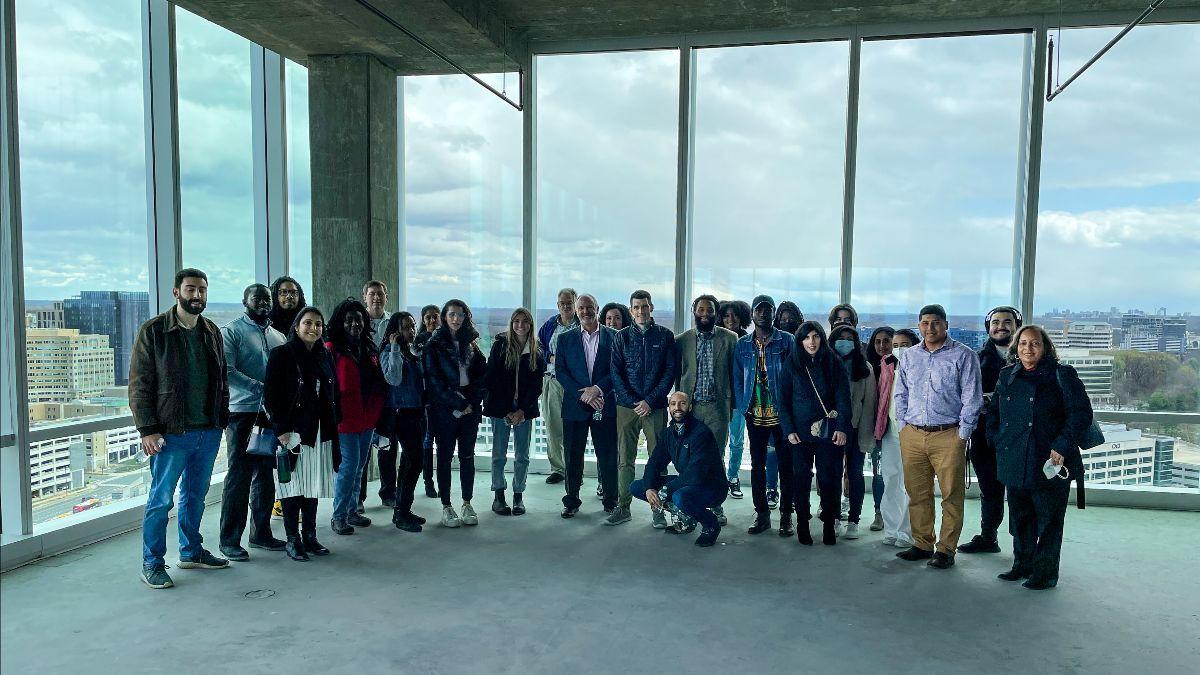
(179, 397)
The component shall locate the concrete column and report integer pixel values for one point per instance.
(355, 176)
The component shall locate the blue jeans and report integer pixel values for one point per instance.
(694, 500)
(737, 445)
(521, 435)
(772, 467)
(355, 449)
(186, 462)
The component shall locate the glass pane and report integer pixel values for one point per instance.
(1119, 221)
(299, 184)
(607, 164)
(75, 474)
(462, 197)
(1135, 453)
(939, 124)
(216, 170)
(769, 165)
(83, 193)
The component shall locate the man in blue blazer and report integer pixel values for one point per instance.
(583, 357)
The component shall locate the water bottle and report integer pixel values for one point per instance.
(283, 464)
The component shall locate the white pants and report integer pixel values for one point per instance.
(894, 506)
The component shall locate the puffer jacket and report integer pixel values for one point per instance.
(440, 361)
(643, 365)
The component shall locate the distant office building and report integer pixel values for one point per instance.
(49, 318)
(1089, 335)
(1057, 335)
(1125, 458)
(117, 314)
(1164, 460)
(65, 365)
(1096, 371)
(57, 465)
(1187, 474)
(106, 448)
(1153, 333)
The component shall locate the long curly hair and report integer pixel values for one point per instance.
(335, 329)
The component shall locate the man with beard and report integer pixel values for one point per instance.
(287, 299)
(698, 490)
(704, 363)
(179, 397)
(1001, 324)
(248, 340)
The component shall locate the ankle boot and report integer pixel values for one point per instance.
(829, 534)
(762, 523)
(295, 548)
(785, 524)
(311, 545)
(518, 507)
(802, 533)
(499, 506)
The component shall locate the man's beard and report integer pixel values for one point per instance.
(705, 323)
(190, 308)
(1007, 340)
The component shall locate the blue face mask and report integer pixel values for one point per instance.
(843, 347)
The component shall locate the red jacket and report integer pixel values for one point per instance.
(359, 406)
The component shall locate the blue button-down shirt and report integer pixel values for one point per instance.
(939, 387)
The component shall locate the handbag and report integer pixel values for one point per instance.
(1093, 436)
(262, 441)
(823, 428)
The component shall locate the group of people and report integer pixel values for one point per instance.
(303, 400)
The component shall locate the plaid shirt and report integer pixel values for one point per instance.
(704, 367)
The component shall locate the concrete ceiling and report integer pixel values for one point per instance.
(495, 35)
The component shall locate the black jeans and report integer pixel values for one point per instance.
(604, 440)
(759, 438)
(409, 434)
(385, 457)
(450, 432)
(249, 482)
(828, 460)
(991, 490)
(1035, 519)
(292, 508)
(427, 447)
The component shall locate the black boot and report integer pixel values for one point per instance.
(430, 490)
(762, 523)
(499, 506)
(518, 507)
(311, 545)
(802, 533)
(980, 543)
(295, 548)
(828, 533)
(785, 524)
(404, 521)
(1017, 573)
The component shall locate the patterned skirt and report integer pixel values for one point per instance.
(313, 475)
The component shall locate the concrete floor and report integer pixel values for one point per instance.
(539, 594)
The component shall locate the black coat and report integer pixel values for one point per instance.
(500, 381)
(798, 404)
(1030, 415)
(300, 392)
(441, 371)
(990, 365)
(694, 454)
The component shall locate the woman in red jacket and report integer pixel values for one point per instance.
(360, 397)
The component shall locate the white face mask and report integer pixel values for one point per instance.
(897, 351)
(1052, 471)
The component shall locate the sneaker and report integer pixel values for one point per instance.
(719, 512)
(839, 529)
(851, 531)
(235, 553)
(339, 526)
(877, 524)
(599, 491)
(683, 525)
(979, 544)
(361, 508)
(569, 512)
(1017, 573)
(762, 523)
(735, 488)
(358, 520)
(904, 543)
(468, 515)
(914, 553)
(708, 537)
(206, 561)
(772, 499)
(1040, 583)
(157, 577)
(271, 544)
(554, 478)
(890, 541)
(619, 515)
(450, 517)
(405, 523)
(659, 519)
(845, 508)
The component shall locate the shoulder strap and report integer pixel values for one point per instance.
(814, 388)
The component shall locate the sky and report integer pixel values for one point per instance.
(936, 176)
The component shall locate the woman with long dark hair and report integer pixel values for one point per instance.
(878, 347)
(299, 396)
(815, 411)
(514, 384)
(361, 391)
(860, 428)
(406, 400)
(454, 371)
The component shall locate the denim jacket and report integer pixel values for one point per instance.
(744, 371)
(247, 346)
(406, 383)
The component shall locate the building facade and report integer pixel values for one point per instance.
(66, 365)
(117, 314)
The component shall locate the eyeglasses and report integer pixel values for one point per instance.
(455, 315)
(294, 294)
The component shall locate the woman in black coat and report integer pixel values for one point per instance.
(454, 370)
(300, 398)
(1037, 418)
(814, 386)
(513, 383)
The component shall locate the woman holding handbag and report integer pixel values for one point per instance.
(814, 394)
(1038, 418)
(299, 398)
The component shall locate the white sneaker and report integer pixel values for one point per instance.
(659, 521)
(468, 516)
(839, 529)
(852, 531)
(900, 543)
(450, 518)
(889, 541)
(845, 508)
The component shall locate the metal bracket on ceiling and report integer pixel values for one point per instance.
(432, 50)
(1103, 50)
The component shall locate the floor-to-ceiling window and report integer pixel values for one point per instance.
(299, 181)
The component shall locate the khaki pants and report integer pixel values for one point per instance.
(551, 404)
(925, 455)
(716, 416)
(629, 426)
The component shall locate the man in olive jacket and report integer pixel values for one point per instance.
(179, 397)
